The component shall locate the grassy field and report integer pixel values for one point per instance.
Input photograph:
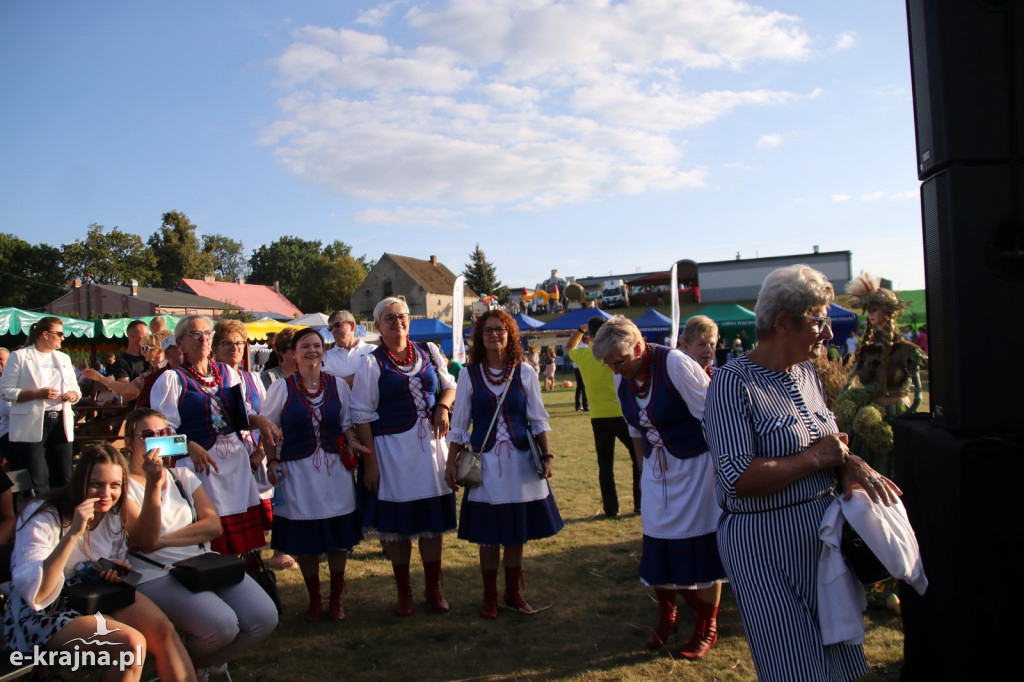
(596, 628)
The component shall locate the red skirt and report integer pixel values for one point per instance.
(241, 532)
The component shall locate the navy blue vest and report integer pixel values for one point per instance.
(680, 431)
(484, 402)
(196, 405)
(396, 409)
(300, 439)
(252, 393)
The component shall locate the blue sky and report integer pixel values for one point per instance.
(593, 137)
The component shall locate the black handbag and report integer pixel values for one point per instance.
(862, 561)
(266, 579)
(98, 596)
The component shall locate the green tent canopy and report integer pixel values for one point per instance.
(15, 321)
(732, 320)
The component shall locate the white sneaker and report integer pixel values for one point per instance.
(221, 670)
(202, 675)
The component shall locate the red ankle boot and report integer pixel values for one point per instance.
(316, 608)
(705, 632)
(432, 574)
(668, 618)
(513, 583)
(690, 598)
(336, 608)
(404, 606)
(489, 606)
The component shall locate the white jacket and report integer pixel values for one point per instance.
(22, 372)
(888, 533)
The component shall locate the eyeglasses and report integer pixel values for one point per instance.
(821, 323)
(391, 318)
(494, 331)
(228, 345)
(200, 335)
(148, 349)
(156, 433)
(618, 364)
(339, 323)
(58, 334)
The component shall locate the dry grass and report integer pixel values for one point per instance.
(596, 628)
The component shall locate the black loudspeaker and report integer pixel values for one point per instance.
(974, 266)
(966, 625)
(968, 71)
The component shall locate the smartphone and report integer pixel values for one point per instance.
(170, 446)
(126, 575)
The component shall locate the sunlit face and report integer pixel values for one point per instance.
(394, 322)
(495, 336)
(104, 483)
(627, 365)
(344, 333)
(196, 349)
(702, 348)
(309, 351)
(4, 354)
(814, 333)
(230, 350)
(52, 338)
(147, 428)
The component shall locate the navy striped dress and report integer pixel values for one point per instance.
(769, 545)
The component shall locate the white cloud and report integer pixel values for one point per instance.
(845, 40)
(836, 198)
(403, 215)
(766, 141)
(873, 196)
(519, 103)
(909, 194)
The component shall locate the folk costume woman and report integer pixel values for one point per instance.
(198, 401)
(402, 399)
(514, 503)
(662, 393)
(316, 510)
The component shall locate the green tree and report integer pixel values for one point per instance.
(28, 273)
(312, 276)
(229, 258)
(178, 252)
(109, 257)
(481, 278)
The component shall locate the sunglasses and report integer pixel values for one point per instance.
(156, 433)
(59, 335)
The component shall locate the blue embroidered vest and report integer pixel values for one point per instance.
(680, 431)
(252, 394)
(300, 438)
(396, 409)
(484, 402)
(196, 405)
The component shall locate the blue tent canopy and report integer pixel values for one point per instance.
(843, 322)
(432, 329)
(525, 323)
(653, 325)
(572, 320)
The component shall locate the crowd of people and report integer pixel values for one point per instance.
(733, 469)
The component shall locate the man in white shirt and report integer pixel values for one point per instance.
(852, 343)
(342, 360)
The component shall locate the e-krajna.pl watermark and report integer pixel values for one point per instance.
(77, 658)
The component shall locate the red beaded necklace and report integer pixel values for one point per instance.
(641, 387)
(504, 375)
(210, 379)
(408, 356)
(310, 396)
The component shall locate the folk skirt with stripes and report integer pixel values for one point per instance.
(413, 519)
(241, 532)
(681, 563)
(771, 559)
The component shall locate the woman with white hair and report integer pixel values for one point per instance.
(698, 340)
(780, 461)
(402, 397)
(199, 401)
(662, 393)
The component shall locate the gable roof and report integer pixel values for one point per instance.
(260, 299)
(166, 298)
(434, 277)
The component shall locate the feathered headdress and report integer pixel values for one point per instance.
(869, 293)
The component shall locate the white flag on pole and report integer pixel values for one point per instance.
(674, 283)
(458, 309)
